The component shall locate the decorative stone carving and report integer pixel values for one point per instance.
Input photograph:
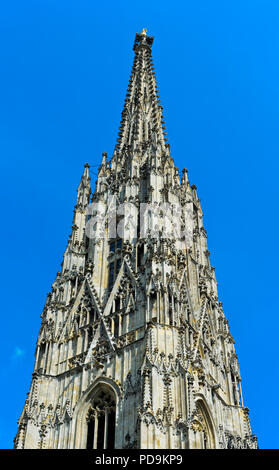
(140, 320)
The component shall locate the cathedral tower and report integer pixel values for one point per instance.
(134, 349)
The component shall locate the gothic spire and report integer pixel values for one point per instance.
(84, 188)
(142, 119)
(133, 326)
(83, 196)
(77, 240)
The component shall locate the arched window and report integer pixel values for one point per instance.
(140, 255)
(42, 351)
(116, 326)
(101, 420)
(117, 304)
(203, 427)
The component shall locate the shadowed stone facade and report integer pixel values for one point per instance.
(134, 349)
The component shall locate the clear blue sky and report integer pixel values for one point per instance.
(65, 67)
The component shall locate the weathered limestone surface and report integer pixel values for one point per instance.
(139, 319)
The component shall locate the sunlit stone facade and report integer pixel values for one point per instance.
(134, 349)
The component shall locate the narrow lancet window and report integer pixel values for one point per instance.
(101, 421)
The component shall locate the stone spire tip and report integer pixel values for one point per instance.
(142, 39)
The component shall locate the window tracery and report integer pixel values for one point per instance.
(101, 421)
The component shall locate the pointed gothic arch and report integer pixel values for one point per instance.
(101, 419)
(96, 415)
(203, 426)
